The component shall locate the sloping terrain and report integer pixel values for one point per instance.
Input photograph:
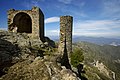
(22, 57)
(103, 61)
(25, 58)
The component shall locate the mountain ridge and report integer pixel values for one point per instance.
(103, 55)
(96, 40)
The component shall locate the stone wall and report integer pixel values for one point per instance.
(66, 23)
(37, 18)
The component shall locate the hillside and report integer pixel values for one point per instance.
(25, 58)
(22, 57)
(97, 40)
(106, 56)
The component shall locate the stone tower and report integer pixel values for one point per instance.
(65, 42)
(27, 21)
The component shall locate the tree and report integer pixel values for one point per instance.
(77, 57)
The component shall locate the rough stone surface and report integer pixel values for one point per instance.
(18, 46)
(65, 34)
(65, 43)
(20, 59)
(58, 73)
(68, 75)
(38, 70)
(27, 70)
(28, 21)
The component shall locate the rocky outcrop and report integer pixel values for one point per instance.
(38, 70)
(60, 73)
(104, 70)
(17, 46)
(20, 45)
(27, 70)
(25, 58)
(98, 71)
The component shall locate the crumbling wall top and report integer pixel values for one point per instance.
(24, 20)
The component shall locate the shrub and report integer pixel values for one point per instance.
(77, 57)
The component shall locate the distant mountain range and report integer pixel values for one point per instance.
(96, 40)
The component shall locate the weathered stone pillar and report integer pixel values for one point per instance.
(65, 42)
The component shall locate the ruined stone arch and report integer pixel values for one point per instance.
(23, 22)
(28, 21)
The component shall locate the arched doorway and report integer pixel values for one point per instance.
(23, 22)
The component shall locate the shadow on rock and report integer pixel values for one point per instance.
(8, 53)
(50, 42)
(80, 70)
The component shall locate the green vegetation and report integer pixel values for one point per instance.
(106, 54)
(92, 73)
(77, 57)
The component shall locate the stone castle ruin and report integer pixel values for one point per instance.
(27, 21)
(65, 34)
(65, 42)
(32, 22)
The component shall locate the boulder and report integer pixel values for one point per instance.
(27, 70)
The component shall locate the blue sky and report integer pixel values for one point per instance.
(96, 18)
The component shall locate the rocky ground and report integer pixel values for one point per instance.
(24, 58)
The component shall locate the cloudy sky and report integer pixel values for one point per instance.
(97, 18)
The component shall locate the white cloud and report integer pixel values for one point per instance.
(30, 3)
(65, 1)
(101, 28)
(97, 25)
(52, 32)
(72, 9)
(52, 19)
(97, 34)
(2, 28)
(111, 8)
(95, 28)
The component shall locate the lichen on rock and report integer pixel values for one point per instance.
(25, 58)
